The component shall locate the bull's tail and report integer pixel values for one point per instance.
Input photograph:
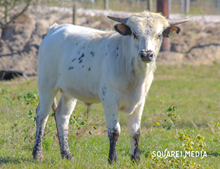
(54, 106)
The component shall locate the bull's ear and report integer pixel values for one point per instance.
(171, 31)
(123, 29)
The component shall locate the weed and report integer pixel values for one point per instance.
(188, 141)
(77, 121)
(171, 118)
(30, 115)
(31, 98)
(191, 140)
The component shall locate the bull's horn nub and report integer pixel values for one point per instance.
(121, 20)
(178, 21)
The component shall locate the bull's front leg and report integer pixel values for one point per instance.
(134, 121)
(113, 135)
(113, 127)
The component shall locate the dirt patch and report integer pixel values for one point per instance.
(196, 44)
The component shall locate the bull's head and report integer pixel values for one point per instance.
(147, 29)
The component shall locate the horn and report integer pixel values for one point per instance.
(121, 20)
(178, 21)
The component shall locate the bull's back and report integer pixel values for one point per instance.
(72, 57)
(65, 43)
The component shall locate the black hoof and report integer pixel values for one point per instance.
(135, 159)
(67, 156)
(113, 160)
(38, 156)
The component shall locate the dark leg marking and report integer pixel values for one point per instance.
(82, 66)
(64, 148)
(135, 157)
(113, 138)
(37, 150)
(73, 60)
(63, 142)
(117, 48)
(89, 69)
(70, 68)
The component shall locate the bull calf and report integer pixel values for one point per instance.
(112, 67)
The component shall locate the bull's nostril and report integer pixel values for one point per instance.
(151, 55)
(143, 54)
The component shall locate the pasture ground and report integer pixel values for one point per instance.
(192, 124)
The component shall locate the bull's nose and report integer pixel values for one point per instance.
(147, 56)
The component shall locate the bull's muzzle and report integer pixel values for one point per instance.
(147, 56)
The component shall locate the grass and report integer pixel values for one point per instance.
(193, 124)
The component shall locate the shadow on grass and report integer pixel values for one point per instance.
(14, 160)
(214, 154)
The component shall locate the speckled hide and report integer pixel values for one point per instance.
(112, 67)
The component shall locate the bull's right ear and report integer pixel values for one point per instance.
(123, 29)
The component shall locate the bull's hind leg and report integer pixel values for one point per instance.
(62, 115)
(134, 121)
(43, 109)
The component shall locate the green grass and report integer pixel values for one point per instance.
(195, 124)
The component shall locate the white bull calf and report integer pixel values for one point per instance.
(114, 68)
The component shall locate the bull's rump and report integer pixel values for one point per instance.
(71, 59)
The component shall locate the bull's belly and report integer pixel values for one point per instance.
(80, 83)
(86, 96)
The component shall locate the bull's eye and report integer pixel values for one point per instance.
(135, 36)
(159, 36)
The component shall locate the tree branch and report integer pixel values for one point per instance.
(16, 16)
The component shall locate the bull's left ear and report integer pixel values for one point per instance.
(171, 31)
(123, 29)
